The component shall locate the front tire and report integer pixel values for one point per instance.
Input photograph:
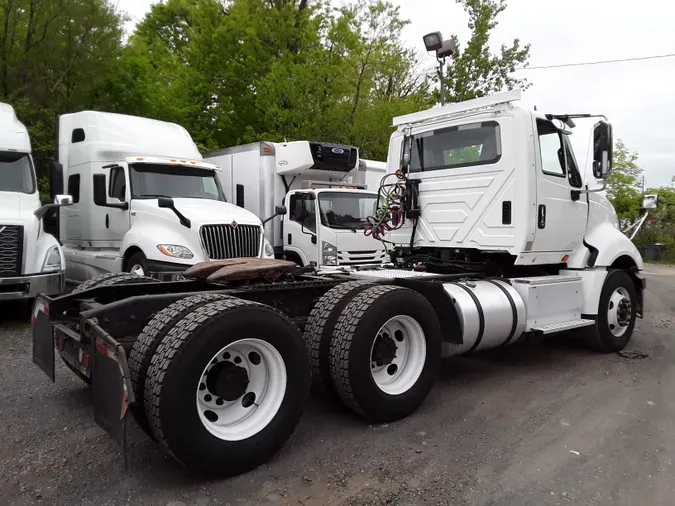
(385, 353)
(227, 386)
(137, 264)
(615, 323)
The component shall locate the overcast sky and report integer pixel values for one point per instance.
(638, 97)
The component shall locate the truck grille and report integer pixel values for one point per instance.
(226, 241)
(362, 257)
(11, 249)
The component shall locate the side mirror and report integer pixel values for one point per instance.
(59, 201)
(101, 194)
(55, 179)
(165, 202)
(63, 200)
(168, 203)
(278, 211)
(603, 146)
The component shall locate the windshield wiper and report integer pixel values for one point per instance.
(341, 226)
(154, 195)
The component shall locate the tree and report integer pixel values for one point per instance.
(474, 70)
(625, 183)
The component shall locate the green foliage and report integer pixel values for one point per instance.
(474, 70)
(53, 56)
(625, 183)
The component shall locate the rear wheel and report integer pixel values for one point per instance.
(227, 386)
(320, 326)
(615, 322)
(145, 346)
(385, 353)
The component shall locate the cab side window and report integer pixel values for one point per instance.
(118, 184)
(303, 210)
(551, 149)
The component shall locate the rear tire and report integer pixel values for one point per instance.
(381, 376)
(320, 326)
(615, 322)
(234, 441)
(110, 279)
(148, 341)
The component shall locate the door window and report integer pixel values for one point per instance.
(74, 187)
(303, 210)
(551, 149)
(573, 174)
(118, 184)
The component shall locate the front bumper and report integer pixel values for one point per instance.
(28, 287)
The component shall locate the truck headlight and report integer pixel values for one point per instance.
(268, 250)
(175, 251)
(52, 262)
(329, 254)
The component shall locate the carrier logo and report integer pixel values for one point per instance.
(234, 224)
(338, 151)
(2, 229)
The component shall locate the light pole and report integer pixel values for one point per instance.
(434, 42)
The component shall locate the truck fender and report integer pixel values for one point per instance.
(608, 245)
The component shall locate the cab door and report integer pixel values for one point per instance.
(561, 211)
(300, 226)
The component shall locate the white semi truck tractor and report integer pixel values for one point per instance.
(144, 201)
(31, 261)
(325, 191)
(501, 238)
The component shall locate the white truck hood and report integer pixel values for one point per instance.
(17, 208)
(200, 211)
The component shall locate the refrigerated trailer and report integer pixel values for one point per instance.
(502, 239)
(324, 189)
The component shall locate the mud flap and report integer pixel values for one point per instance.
(43, 338)
(111, 384)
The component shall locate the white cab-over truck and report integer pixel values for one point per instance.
(502, 238)
(31, 261)
(144, 200)
(324, 189)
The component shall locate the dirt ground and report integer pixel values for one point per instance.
(540, 424)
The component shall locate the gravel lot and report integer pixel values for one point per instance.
(549, 423)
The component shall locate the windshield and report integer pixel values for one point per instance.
(149, 180)
(346, 210)
(16, 172)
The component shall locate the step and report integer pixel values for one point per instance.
(552, 328)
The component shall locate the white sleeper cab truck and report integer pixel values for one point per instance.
(501, 239)
(144, 201)
(31, 260)
(326, 208)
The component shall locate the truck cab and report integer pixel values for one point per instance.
(31, 261)
(144, 201)
(323, 190)
(324, 226)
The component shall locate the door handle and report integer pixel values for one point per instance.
(290, 239)
(107, 221)
(541, 218)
